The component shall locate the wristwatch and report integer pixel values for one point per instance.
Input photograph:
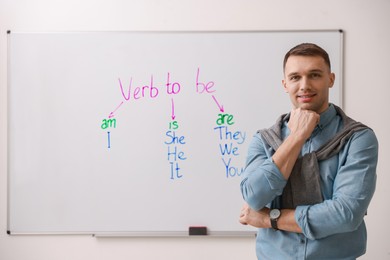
(274, 215)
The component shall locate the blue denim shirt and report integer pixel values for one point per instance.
(333, 229)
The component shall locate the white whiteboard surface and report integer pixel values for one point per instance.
(146, 89)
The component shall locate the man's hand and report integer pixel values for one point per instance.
(259, 219)
(302, 123)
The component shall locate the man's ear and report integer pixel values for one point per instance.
(284, 86)
(332, 79)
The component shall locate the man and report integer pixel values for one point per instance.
(309, 179)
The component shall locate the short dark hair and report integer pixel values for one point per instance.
(307, 49)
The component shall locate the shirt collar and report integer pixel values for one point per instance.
(327, 116)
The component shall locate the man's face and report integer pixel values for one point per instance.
(307, 80)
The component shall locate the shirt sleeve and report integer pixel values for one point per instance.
(353, 188)
(261, 180)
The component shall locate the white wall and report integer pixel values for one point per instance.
(366, 24)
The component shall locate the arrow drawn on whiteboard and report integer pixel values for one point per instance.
(113, 112)
(219, 106)
(173, 109)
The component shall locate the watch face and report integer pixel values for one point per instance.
(274, 214)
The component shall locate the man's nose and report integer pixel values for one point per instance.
(304, 84)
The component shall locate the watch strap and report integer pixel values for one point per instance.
(274, 224)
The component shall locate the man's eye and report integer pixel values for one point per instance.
(294, 78)
(315, 75)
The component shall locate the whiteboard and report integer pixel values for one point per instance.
(141, 133)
